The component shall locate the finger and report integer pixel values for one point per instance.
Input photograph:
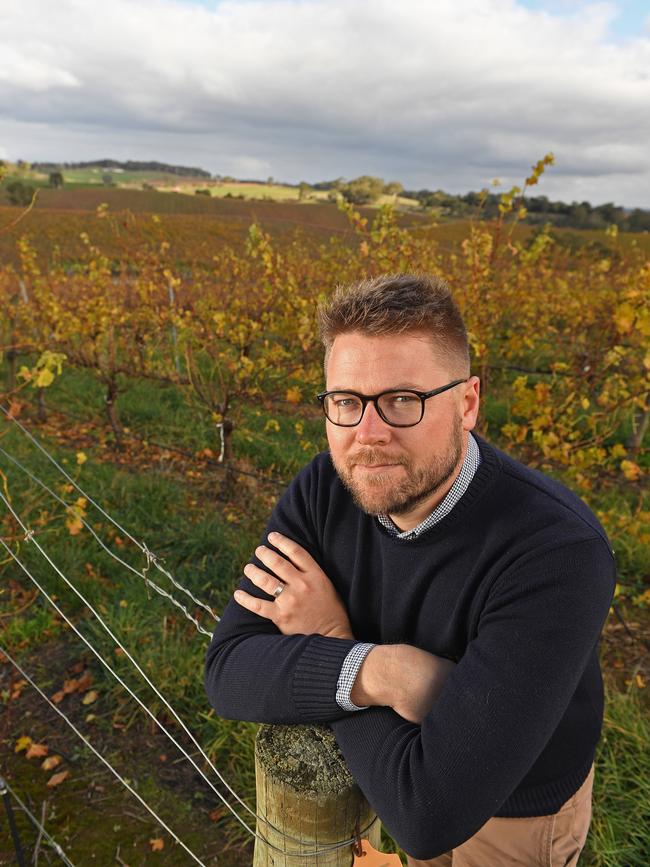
(257, 606)
(260, 578)
(301, 558)
(278, 564)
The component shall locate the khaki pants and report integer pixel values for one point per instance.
(538, 841)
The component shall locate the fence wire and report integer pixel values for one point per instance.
(151, 557)
(38, 825)
(141, 574)
(30, 536)
(105, 761)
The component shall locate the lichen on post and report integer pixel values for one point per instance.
(309, 799)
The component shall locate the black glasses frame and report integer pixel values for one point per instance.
(374, 398)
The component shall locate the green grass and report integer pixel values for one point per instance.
(274, 192)
(619, 831)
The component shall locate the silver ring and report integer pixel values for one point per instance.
(278, 590)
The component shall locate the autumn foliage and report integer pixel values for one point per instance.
(559, 336)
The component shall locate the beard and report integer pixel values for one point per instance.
(380, 493)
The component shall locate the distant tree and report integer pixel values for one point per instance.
(270, 180)
(393, 188)
(203, 192)
(56, 180)
(638, 221)
(363, 190)
(303, 190)
(20, 193)
(107, 179)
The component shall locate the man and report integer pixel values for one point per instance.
(434, 601)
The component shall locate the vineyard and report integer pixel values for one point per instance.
(170, 363)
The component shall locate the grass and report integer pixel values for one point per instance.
(619, 831)
(272, 192)
(205, 541)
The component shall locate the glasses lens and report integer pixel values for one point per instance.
(343, 408)
(401, 407)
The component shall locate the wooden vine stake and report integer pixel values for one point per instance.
(309, 799)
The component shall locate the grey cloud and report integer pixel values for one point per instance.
(440, 95)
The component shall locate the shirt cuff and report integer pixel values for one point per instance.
(349, 671)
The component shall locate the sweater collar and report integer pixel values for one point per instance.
(453, 495)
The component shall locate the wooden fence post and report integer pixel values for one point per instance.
(305, 791)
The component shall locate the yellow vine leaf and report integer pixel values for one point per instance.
(631, 470)
(293, 395)
(44, 378)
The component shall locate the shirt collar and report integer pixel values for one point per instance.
(453, 495)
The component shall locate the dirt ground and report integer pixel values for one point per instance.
(90, 814)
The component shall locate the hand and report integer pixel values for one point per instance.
(403, 677)
(308, 604)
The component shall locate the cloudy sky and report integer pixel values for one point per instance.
(442, 94)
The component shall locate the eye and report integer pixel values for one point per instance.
(403, 399)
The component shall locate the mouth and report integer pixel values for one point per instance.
(377, 466)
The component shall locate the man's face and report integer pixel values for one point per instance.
(399, 471)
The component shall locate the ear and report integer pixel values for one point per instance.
(470, 402)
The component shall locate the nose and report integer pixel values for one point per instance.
(372, 429)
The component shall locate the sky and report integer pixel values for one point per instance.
(437, 94)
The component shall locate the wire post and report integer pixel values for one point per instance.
(4, 791)
(308, 799)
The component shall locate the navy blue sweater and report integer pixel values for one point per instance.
(514, 584)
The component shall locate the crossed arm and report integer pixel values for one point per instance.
(400, 676)
(424, 745)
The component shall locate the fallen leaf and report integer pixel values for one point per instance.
(157, 845)
(71, 685)
(17, 689)
(14, 409)
(58, 696)
(50, 763)
(57, 779)
(85, 680)
(90, 697)
(215, 814)
(36, 751)
(22, 743)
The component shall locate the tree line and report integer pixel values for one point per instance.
(127, 166)
(367, 190)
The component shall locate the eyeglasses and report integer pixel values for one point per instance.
(398, 407)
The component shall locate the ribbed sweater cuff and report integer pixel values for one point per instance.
(316, 677)
(547, 799)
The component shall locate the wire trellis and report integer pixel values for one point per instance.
(37, 824)
(30, 537)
